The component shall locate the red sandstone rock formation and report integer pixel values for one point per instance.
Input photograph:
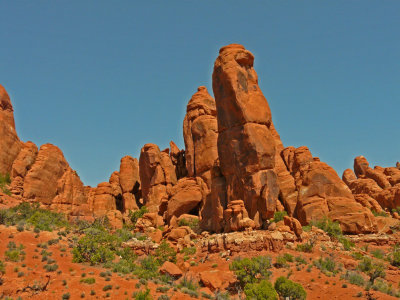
(200, 133)
(322, 193)
(377, 188)
(9, 141)
(157, 176)
(246, 146)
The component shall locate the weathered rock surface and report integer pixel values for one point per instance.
(378, 188)
(246, 146)
(200, 132)
(157, 176)
(186, 196)
(322, 193)
(10, 144)
(40, 183)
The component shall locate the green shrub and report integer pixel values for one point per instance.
(33, 215)
(191, 293)
(378, 253)
(193, 223)
(331, 228)
(260, 291)
(379, 214)
(278, 216)
(66, 296)
(96, 246)
(107, 287)
(281, 262)
(135, 215)
(394, 256)
(249, 270)
(165, 253)
(189, 251)
(89, 280)
(50, 268)
(147, 268)
(4, 181)
(372, 269)
(353, 278)
(327, 265)
(14, 253)
(143, 295)
(288, 288)
(188, 283)
(382, 286)
(306, 247)
(300, 260)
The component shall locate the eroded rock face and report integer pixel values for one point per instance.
(178, 158)
(377, 188)
(246, 146)
(186, 196)
(322, 193)
(157, 176)
(200, 132)
(10, 144)
(70, 194)
(130, 182)
(24, 161)
(40, 183)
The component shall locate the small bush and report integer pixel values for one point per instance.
(326, 265)
(193, 223)
(280, 262)
(143, 295)
(165, 253)
(33, 215)
(107, 287)
(260, 291)
(66, 296)
(394, 256)
(372, 269)
(378, 253)
(50, 268)
(4, 181)
(89, 280)
(189, 251)
(306, 247)
(135, 215)
(278, 216)
(249, 270)
(288, 288)
(188, 283)
(353, 278)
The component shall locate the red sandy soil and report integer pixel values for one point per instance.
(317, 285)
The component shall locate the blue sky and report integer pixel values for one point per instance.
(99, 79)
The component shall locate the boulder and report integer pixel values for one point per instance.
(186, 196)
(171, 269)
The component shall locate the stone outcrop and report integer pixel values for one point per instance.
(200, 132)
(40, 183)
(322, 193)
(10, 144)
(186, 196)
(233, 175)
(157, 176)
(246, 146)
(377, 188)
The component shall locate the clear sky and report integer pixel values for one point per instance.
(99, 79)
